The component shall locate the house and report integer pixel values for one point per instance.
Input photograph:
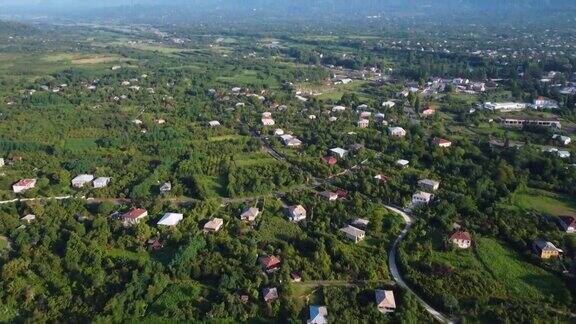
(81, 180)
(270, 263)
(545, 103)
(429, 185)
(278, 132)
(214, 225)
(385, 301)
(365, 114)
(154, 244)
(28, 218)
(564, 140)
(381, 178)
(396, 131)
(214, 123)
(250, 214)
(339, 152)
(421, 198)
(330, 160)
(170, 219)
(428, 112)
(545, 250)
(134, 216)
(295, 277)
(290, 141)
(388, 104)
(318, 315)
(402, 163)
(568, 223)
(165, 188)
(268, 122)
(440, 142)
(360, 223)
(296, 213)
(505, 106)
(331, 196)
(342, 194)
(363, 123)
(23, 185)
(101, 182)
(338, 108)
(354, 234)
(461, 239)
(270, 294)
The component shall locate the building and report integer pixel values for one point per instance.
(545, 103)
(564, 140)
(329, 195)
(214, 123)
(505, 106)
(330, 160)
(519, 122)
(385, 301)
(429, 185)
(568, 223)
(214, 225)
(101, 182)
(318, 315)
(339, 152)
(402, 163)
(268, 122)
(170, 219)
(296, 213)
(363, 123)
(28, 218)
(421, 198)
(396, 131)
(440, 142)
(545, 250)
(165, 188)
(338, 108)
(360, 223)
(270, 294)
(270, 263)
(388, 104)
(290, 141)
(428, 112)
(81, 180)
(278, 132)
(461, 239)
(23, 185)
(354, 234)
(250, 214)
(134, 216)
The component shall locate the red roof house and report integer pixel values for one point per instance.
(330, 160)
(461, 239)
(270, 263)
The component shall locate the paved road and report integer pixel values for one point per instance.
(396, 274)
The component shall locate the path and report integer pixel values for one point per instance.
(396, 273)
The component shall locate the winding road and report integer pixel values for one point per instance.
(396, 273)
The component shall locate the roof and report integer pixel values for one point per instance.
(269, 261)
(135, 213)
(424, 195)
(429, 182)
(170, 219)
(461, 235)
(251, 212)
(296, 209)
(214, 224)
(318, 314)
(569, 220)
(83, 178)
(546, 246)
(102, 179)
(339, 151)
(353, 231)
(270, 293)
(25, 182)
(385, 299)
(361, 222)
(441, 141)
(402, 162)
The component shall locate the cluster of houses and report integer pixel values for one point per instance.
(83, 179)
(538, 103)
(424, 197)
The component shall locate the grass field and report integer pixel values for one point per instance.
(545, 202)
(80, 144)
(520, 278)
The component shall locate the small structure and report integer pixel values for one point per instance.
(318, 315)
(270, 263)
(170, 219)
(568, 223)
(354, 234)
(545, 249)
(214, 123)
(402, 163)
(428, 112)
(381, 178)
(440, 142)
(388, 104)
(421, 198)
(338, 108)
(270, 294)
(278, 132)
(28, 218)
(360, 223)
(330, 160)
(101, 182)
(429, 185)
(296, 213)
(250, 214)
(545, 103)
(134, 216)
(564, 140)
(329, 195)
(363, 123)
(81, 180)
(268, 122)
(23, 185)
(214, 225)
(461, 239)
(295, 277)
(154, 244)
(339, 152)
(397, 131)
(165, 188)
(385, 301)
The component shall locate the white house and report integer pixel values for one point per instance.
(429, 185)
(23, 185)
(545, 103)
(340, 152)
(396, 131)
(318, 315)
(296, 213)
(250, 214)
(388, 104)
(421, 198)
(81, 180)
(214, 225)
(338, 108)
(385, 301)
(170, 219)
(505, 106)
(278, 132)
(402, 163)
(214, 123)
(354, 234)
(101, 182)
(564, 140)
